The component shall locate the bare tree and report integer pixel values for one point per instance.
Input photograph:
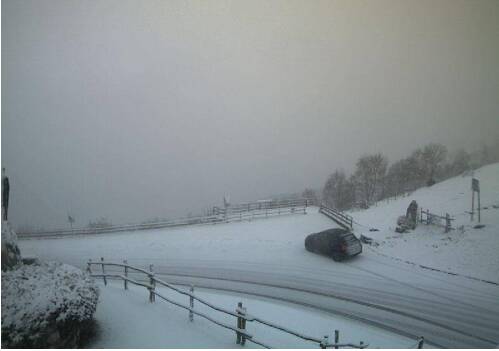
(338, 191)
(460, 163)
(485, 155)
(311, 195)
(432, 157)
(396, 179)
(370, 171)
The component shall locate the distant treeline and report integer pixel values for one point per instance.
(374, 179)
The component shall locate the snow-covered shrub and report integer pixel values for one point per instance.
(47, 305)
(11, 255)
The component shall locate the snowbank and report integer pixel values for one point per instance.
(46, 305)
(11, 255)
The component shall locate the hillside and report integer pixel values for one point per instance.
(464, 250)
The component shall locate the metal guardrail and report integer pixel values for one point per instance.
(339, 217)
(233, 213)
(240, 313)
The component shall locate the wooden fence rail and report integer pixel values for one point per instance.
(429, 218)
(339, 217)
(240, 312)
(233, 213)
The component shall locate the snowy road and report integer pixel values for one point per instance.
(448, 314)
(268, 259)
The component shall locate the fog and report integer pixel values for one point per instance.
(136, 109)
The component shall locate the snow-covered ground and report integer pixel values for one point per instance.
(128, 320)
(468, 251)
(267, 258)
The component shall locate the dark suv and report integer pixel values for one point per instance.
(337, 243)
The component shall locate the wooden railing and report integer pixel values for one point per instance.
(240, 313)
(430, 218)
(339, 217)
(235, 213)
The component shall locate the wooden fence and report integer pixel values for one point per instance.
(240, 313)
(430, 218)
(235, 213)
(339, 217)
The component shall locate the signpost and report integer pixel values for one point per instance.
(475, 187)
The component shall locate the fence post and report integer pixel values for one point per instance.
(238, 323)
(89, 264)
(103, 271)
(125, 262)
(421, 342)
(361, 344)
(152, 296)
(447, 222)
(191, 300)
(336, 337)
(324, 342)
(241, 323)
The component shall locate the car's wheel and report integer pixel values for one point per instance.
(336, 256)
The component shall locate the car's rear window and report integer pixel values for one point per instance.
(349, 237)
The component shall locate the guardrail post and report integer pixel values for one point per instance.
(336, 337)
(191, 304)
(89, 264)
(152, 296)
(103, 271)
(241, 323)
(421, 342)
(324, 342)
(238, 324)
(125, 262)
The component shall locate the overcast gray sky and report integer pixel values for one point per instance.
(136, 109)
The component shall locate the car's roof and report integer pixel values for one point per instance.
(335, 231)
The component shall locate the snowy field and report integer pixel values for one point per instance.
(468, 251)
(162, 325)
(267, 258)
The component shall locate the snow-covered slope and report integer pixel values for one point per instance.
(465, 250)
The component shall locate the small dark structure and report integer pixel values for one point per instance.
(337, 243)
(5, 195)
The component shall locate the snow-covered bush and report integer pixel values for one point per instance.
(47, 305)
(10, 251)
